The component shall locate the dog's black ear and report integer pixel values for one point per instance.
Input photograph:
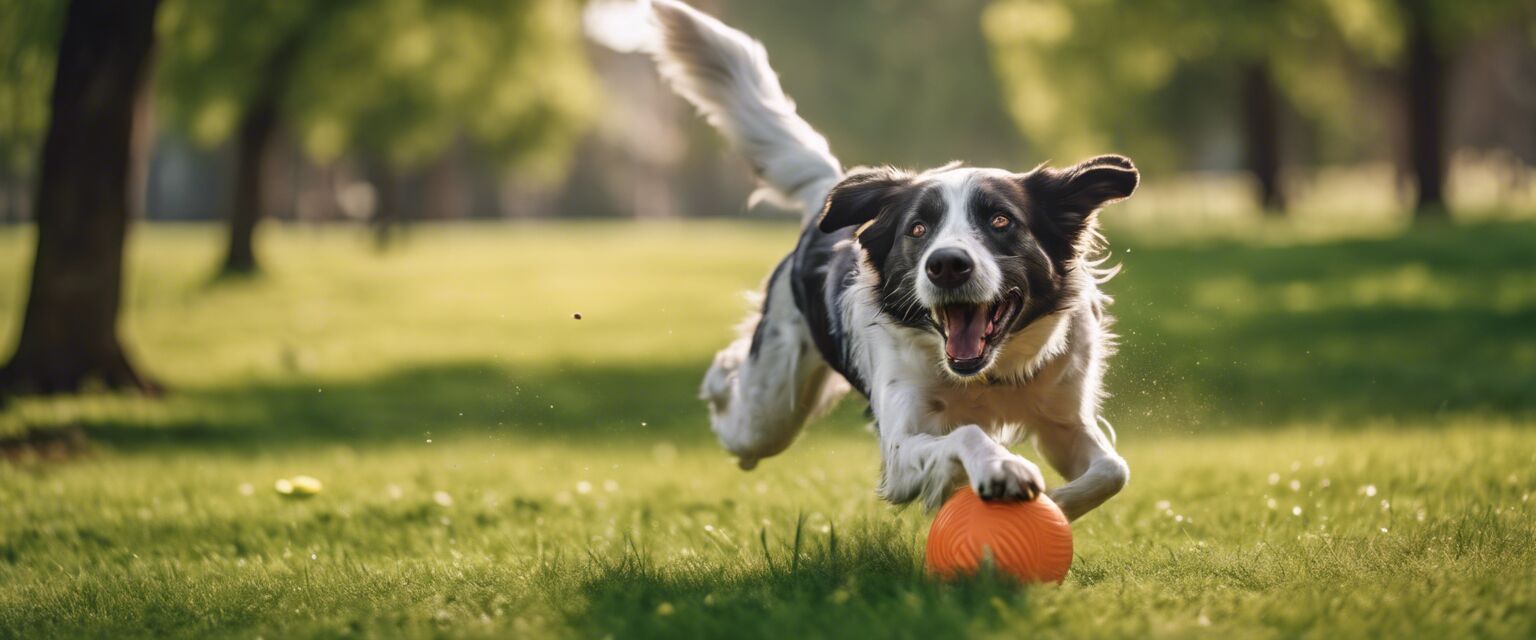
(1067, 199)
(1086, 187)
(861, 196)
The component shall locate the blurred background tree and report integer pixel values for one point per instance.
(69, 331)
(396, 83)
(1432, 34)
(1291, 80)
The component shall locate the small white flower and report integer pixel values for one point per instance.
(583, 487)
(1369, 490)
(1295, 485)
(1162, 505)
(1274, 479)
(442, 498)
(1296, 510)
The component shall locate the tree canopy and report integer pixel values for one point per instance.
(1082, 76)
(29, 31)
(395, 80)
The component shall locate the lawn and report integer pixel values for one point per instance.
(1327, 438)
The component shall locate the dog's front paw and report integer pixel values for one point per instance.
(1008, 477)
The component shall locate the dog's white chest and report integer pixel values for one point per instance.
(991, 407)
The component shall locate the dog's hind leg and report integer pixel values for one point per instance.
(763, 388)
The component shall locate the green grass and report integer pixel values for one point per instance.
(1327, 438)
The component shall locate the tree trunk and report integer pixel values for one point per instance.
(11, 184)
(257, 131)
(388, 214)
(69, 331)
(1424, 88)
(1261, 131)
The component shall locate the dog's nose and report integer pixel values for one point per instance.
(949, 268)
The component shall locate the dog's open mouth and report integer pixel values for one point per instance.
(972, 331)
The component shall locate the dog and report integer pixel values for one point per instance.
(963, 302)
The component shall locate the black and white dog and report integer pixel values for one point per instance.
(963, 302)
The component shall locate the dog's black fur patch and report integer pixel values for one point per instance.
(824, 265)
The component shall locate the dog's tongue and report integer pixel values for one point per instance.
(967, 329)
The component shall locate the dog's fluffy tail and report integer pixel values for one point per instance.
(725, 74)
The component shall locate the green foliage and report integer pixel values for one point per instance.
(215, 56)
(494, 467)
(29, 30)
(1145, 78)
(398, 80)
(905, 82)
(1154, 79)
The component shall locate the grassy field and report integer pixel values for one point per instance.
(1327, 438)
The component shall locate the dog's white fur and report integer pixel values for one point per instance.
(726, 76)
(935, 429)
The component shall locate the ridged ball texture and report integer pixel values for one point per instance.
(1031, 541)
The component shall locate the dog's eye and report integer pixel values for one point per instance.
(918, 230)
(1001, 221)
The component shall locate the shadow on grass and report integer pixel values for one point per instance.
(1439, 321)
(565, 404)
(869, 584)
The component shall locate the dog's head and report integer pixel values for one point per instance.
(975, 254)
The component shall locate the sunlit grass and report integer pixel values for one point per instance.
(1326, 439)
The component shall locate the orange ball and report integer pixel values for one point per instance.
(1028, 540)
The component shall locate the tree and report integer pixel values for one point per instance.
(1424, 95)
(227, 71)
(1418, 40)
(1261, 134)
(1123, 71)
(392, 81)
(69, 331)
(1147, 77)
